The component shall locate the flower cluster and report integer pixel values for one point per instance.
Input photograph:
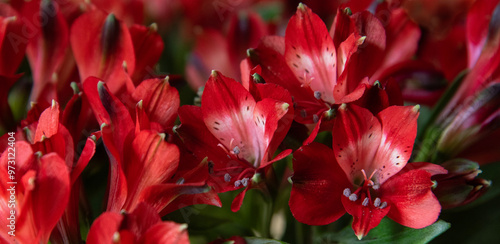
(265, 117)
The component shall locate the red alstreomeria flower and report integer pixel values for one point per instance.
(366, 174)
(238, 130)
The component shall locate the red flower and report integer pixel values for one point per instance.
(237, 130)
(321, 71)
(143, 225)
(142, 162)
(367, 173)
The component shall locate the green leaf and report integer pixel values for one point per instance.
(387, 231)
(257, 240)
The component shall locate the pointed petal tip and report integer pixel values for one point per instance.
(361, 40)
(343, 106)
(301, 7)
(38, 154)
(250, 52)
(183, 227)
(116, 237)
(139, 104)
(348, 11)
(360, 236)
(153, 27)
(100, 85)
(416, 108)
(162, 135)
(214, 73)
(285, 106)
(54, 104)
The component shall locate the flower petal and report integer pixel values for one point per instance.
(52, 174)
(153, 162)
(166, 232)
(310, 53)
(317, 181)
(104, 228)
(356, 139)
(399, 129)
(413, 203)
(48, 123)
(160, 100)
(366, 217)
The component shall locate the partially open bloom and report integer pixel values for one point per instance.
(238, 130)
(321, 69)
(366, 174)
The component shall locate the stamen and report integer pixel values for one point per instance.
(376, 203)
(384, 204)
(227, 177)
(236, 150)
(244, 181)
(315, 118)
(317, 95)
(364, 174)
(376, 187)
(237, 183)
(353, 197)
(347, 192)
(365, 202)
(180, 181)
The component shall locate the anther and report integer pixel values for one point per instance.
(383, 205)
(180, 181)
(347, 192)
(376, 203)
(244, 181)
(236, 150)
(237, 183)
(353, 197)
(317, 95)
(376, 187)
(227, 177)
(365, 202)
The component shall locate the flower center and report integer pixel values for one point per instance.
(363, 193)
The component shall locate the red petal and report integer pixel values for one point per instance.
(366, 24)
(477, 28)
(153, 162)
(85, 156)
(357, 136)
(269, 55)
(160, 100)
(317, 181)
(148, 47)
(310, 53)
(166, 232)
(413, 203)
(210, 53)
(365, 218)
(245, 31)
(48, 122)
(399, 129)
(47, 51)
(101, 45)
(13, 41)
(281, 94)
(232, 115)
(53, 174)
(117, 183)
(104, 228)
(403, 37)
(109, 109)
(196, 136)
(141, 219)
